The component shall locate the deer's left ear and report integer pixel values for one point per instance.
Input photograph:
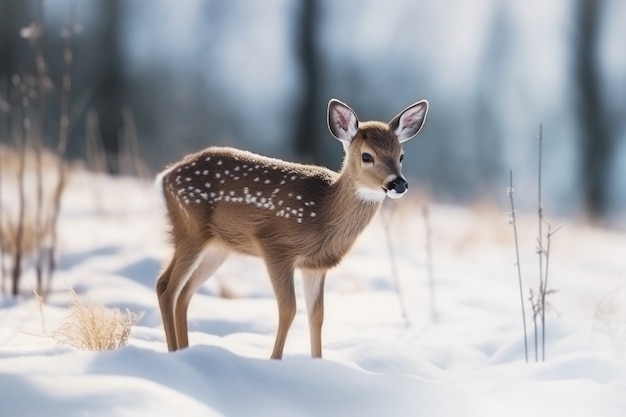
(410, 120)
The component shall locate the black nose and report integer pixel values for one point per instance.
(399, 185)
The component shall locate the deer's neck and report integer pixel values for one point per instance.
(346, 214)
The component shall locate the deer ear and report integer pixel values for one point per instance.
(410, 120)
(342, 121)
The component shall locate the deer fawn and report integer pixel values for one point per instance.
(224, 200)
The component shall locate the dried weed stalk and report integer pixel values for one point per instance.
(386, 215)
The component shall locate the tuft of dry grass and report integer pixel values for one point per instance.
(93, 327)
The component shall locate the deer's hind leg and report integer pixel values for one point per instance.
(211, 258)
(171, 283)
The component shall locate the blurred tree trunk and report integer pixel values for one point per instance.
(488, 126)
(10, 20)
(307, 140)
(597, 141)
(110, 82)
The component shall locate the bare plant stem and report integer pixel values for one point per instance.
(2, 252)
(42, 82)
(22, 138)
(429, 264)
(540, 251)
(519, 268)
(3, 271)
(536, 306)
(64, 123)
(386, 220)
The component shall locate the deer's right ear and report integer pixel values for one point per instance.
(342, 121)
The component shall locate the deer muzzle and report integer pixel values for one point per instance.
(396, 188)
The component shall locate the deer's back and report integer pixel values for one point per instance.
(246, 200)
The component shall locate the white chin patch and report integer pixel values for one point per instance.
(367, 194)
(393, 194)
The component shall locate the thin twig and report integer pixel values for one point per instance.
(544, 290)
(510, 192)
(536, 306)
(64, 124)
(429, 264)
(5, 109)
(386, 220)
(35, 35)
(2, 252)
(24, 124)
(541, 249)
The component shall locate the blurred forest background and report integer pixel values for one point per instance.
(182, 75)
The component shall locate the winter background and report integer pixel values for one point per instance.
(181, 76)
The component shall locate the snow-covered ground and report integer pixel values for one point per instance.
(465, 360)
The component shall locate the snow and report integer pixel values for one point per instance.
(467, 360)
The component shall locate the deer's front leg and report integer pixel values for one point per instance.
(313, 281)
(281, 275)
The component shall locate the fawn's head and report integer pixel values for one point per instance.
(374, 152)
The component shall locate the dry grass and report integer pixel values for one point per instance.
(30, 236)
(93, 327)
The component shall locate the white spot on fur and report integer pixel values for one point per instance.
(205, 172)
(299, 197)
(217, 175)
(313, 214)
(219, 162)
(207, 184)
(187, 179)
(266, 181)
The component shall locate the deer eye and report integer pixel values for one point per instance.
(401, 157)
(367, 158)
